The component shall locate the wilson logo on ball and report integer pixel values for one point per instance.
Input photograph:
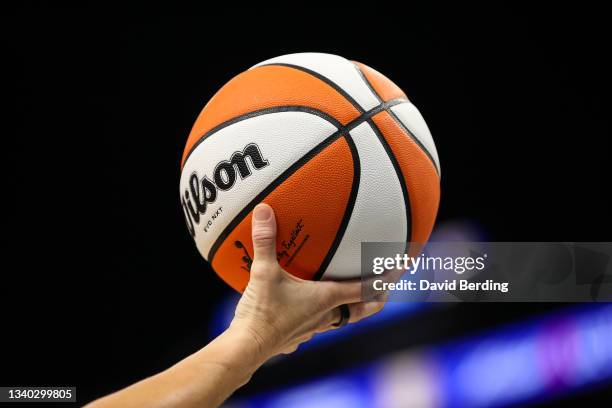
(203, 191)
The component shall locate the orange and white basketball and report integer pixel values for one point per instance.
(336, 149)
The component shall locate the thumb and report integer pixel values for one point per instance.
(264, 234)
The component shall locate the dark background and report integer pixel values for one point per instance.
(101, 284)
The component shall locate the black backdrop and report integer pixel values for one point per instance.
(101, 285)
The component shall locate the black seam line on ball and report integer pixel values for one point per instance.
(399, 122)
(398, 171)
(415, 139)
(368, 84)
(322, 78)
(400, 178)
(269, 188)
(275, 109)
(292, 169)
(348, 211)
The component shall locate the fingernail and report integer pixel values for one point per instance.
(262, 213)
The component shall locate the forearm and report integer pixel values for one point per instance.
(204, 379)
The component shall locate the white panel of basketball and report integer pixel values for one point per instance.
(339, 70)
(379, 214)
(282, 138)
(412, 119)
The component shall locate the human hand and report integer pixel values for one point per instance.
(281, 311)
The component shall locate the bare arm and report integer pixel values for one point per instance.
(276, 313)
(204, 379)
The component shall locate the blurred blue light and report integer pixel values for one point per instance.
(518, 363)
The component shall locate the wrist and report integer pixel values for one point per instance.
(255, 342)
(237, 350)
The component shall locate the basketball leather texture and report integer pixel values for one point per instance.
(336, 149)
